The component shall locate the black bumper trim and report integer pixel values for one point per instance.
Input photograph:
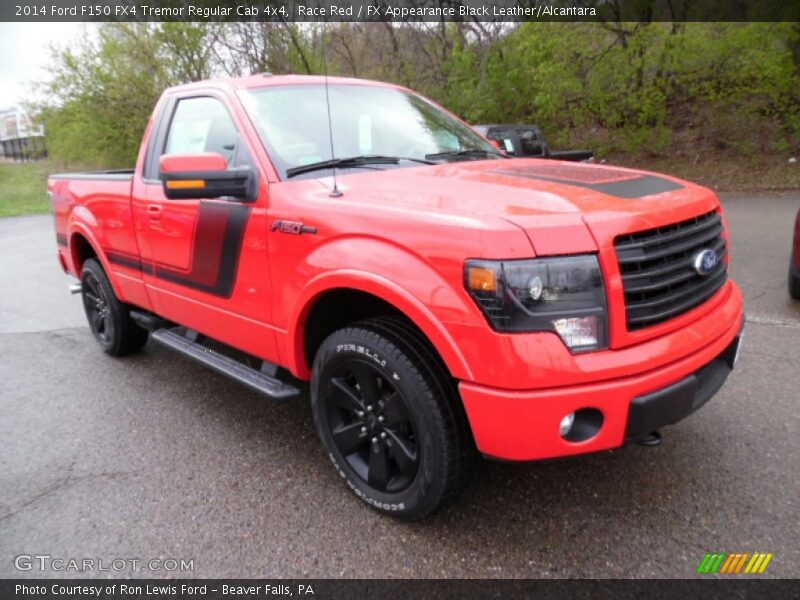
(675, 402)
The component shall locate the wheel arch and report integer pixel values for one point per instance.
(80, 250)
(82, 246)
(372, 291)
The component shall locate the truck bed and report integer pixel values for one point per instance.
(114, 175)
(106, 196)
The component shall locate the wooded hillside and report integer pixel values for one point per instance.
(632, 89)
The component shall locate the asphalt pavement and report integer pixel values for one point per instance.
(156, 457)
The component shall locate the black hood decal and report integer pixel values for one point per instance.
(613, 182)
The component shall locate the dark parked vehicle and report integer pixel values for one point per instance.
(528, 141)
(794, 264)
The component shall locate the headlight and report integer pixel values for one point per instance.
(564, 295)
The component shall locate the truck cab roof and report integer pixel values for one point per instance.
(268, 79)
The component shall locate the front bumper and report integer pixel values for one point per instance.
(524, 425)
(673, 403)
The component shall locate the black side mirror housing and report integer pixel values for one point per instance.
(187, 177)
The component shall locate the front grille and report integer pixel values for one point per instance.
(657, 268)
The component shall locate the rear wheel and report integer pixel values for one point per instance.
(388, 420)
(108, 318)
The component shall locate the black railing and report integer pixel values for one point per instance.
(24, 148)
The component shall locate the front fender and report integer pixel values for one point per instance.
(394, 275)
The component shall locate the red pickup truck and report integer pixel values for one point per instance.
(441, 299)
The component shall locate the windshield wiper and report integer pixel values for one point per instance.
(351, 162)
(467, 153)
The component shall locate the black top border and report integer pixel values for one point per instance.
(402, 11)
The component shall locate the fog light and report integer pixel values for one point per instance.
(582, 425)
(566, 424)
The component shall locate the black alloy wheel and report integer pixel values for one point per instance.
(109, 319)
(371, 426)
(98, 313)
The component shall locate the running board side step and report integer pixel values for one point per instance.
(257, 380)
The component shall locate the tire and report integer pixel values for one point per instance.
(794, 284)
(417, 345)
(108, 318)
(420, 456)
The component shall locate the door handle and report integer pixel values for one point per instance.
(154, 211)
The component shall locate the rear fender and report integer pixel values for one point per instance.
(83, 223)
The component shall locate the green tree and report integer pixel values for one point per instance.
(101, 94)
(634, 87)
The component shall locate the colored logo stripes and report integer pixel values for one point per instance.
(734, 563)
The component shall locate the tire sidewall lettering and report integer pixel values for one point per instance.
(368, 353)
(426, 474)
(361, 494)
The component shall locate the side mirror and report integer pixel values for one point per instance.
(206, 175)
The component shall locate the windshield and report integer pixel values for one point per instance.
(292, 122)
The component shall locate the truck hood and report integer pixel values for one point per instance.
(563, 207)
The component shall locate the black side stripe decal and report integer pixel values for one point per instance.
(235, 216)
(125, 260)
(209, 249)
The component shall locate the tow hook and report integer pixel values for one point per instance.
(75, 288)
(651, 440)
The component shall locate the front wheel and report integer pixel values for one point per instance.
(108, 318)
(388, 422)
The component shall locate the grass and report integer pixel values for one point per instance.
(23, 188)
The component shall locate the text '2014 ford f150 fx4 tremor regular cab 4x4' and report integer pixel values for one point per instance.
(443, 300)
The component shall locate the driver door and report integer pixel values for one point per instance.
(199, 271)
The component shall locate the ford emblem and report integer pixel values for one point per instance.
(705, 261)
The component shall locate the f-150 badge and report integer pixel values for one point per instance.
(294, 227)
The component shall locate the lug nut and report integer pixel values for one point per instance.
(381, 418)
(359, 413)
(363, 430)
(369, 407)
(374, 440)
(383, 435)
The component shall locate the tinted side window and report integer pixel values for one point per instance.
(503, 137)
(531, 142)
(203, 125)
